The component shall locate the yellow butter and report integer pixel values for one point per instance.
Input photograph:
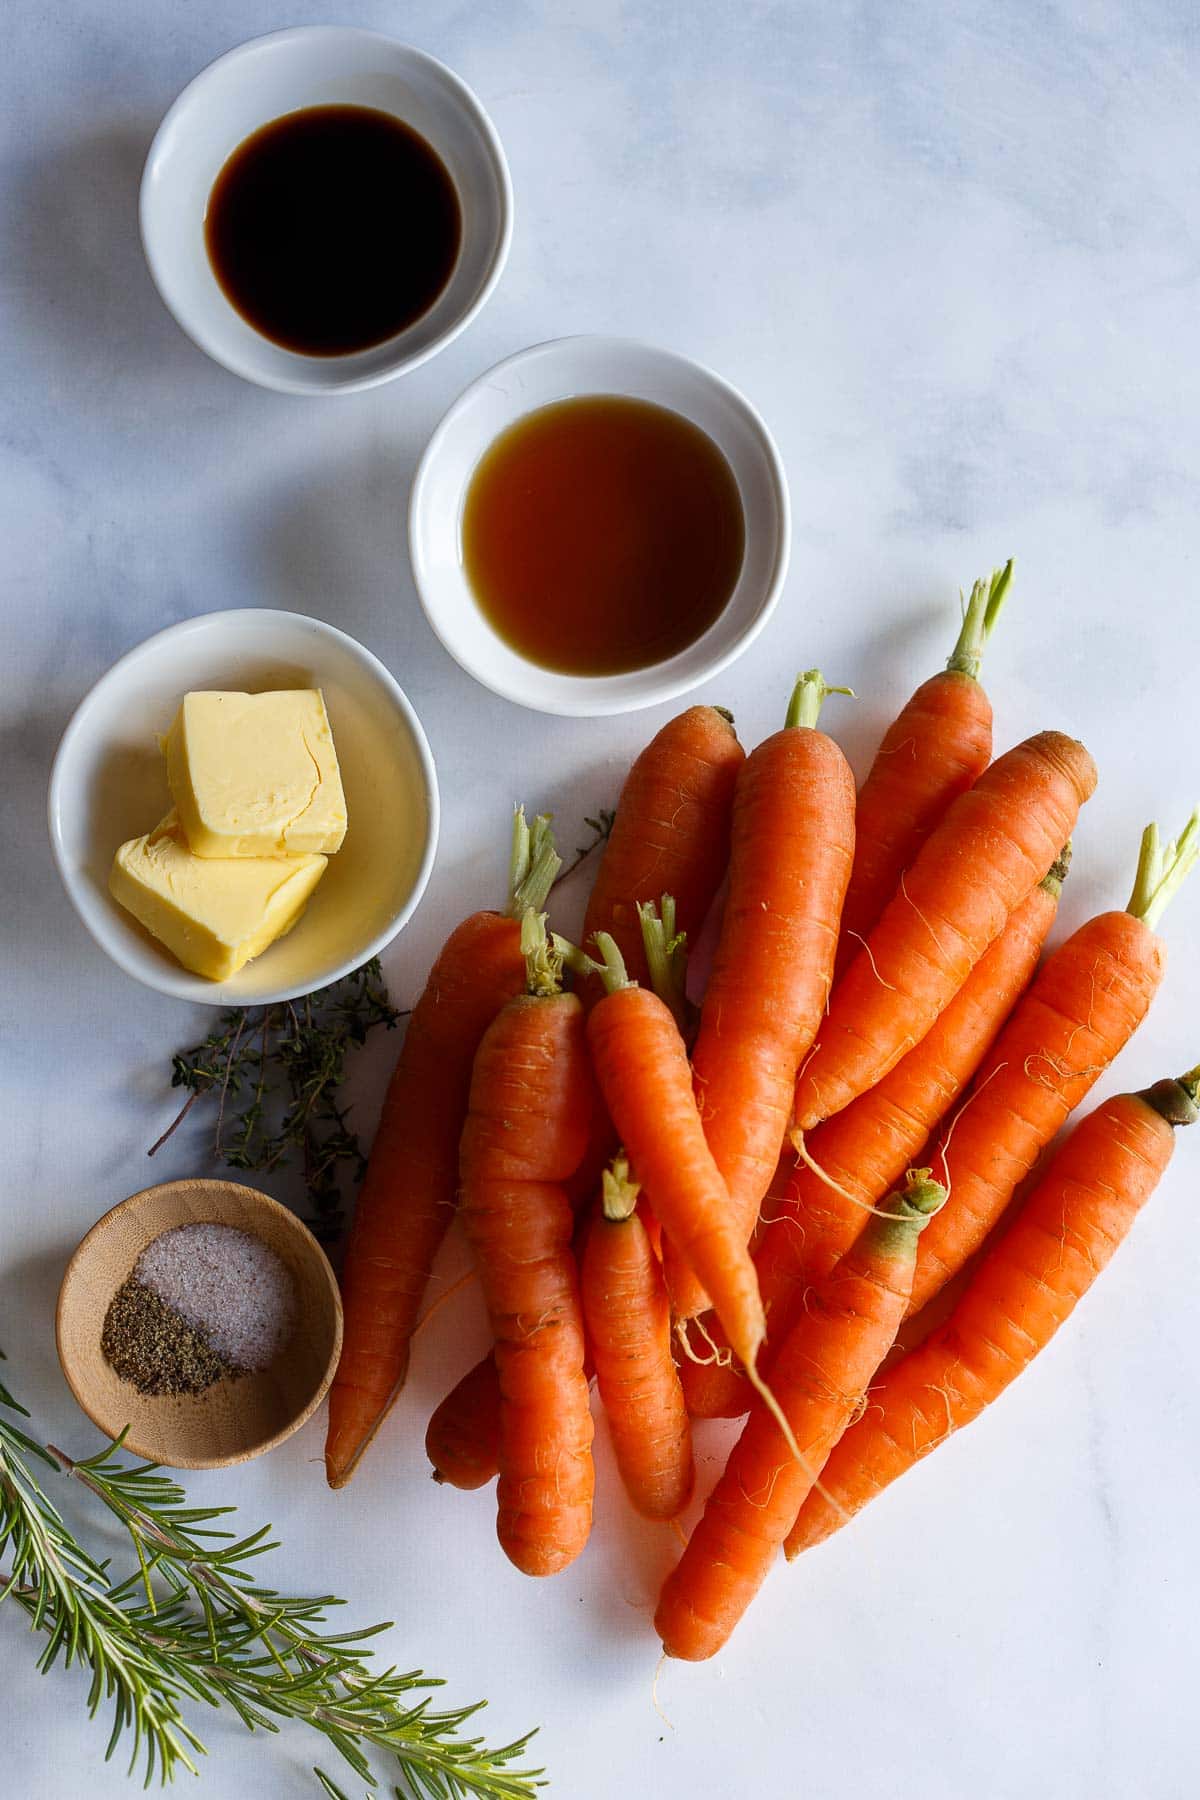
(256, 774)
(212, 913)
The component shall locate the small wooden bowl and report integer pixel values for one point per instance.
(235, 1419)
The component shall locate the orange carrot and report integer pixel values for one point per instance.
(866, 1148)
(1086, 1003)
(670, 835)
(937, 747)
(463, 1439)
(1022, 1291)
(628, 1319)
(525, 1135)
(642, 1067)
(792, 847)
(819, 1378)
(407, 1197)
(990, 850)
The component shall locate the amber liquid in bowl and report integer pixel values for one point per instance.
(602, 534)
(333, 229)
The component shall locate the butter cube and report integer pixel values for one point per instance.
(256, 774)
(212, 913)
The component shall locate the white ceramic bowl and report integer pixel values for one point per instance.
(561, 370)
(109, 783)
(318, 65)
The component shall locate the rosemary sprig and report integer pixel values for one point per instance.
(279, 1070)
(192, 1624)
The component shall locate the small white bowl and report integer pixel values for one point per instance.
(109, 783)
(561, 370)
(319, 65)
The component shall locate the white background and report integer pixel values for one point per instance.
(955, 260)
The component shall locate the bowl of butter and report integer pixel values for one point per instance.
(244, 808)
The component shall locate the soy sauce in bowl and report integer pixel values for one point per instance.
(333, 229)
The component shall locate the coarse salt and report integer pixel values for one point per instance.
(227, 1284)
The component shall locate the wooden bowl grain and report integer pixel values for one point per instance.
(235, 1419)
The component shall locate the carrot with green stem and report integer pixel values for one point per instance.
(937, 747)
(407, 1197)
(670, 833)
(819, 1378)
(791, 852)
(642, 1067)
(1025, 1287)
(628, 1318)
(525, 1134)
(857, 1157)
(990, 850)
(1088, 999)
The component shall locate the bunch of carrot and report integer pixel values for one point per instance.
(736, 1208)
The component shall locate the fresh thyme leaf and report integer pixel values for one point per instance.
(601, 830)
(192, 1624)
(276, 1072)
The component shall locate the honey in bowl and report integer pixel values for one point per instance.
(333, 229)
(602, 534)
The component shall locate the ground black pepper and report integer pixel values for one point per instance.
(150, 1345)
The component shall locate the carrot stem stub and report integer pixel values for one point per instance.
(1025, 1287)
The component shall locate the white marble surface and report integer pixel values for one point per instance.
(954, 255)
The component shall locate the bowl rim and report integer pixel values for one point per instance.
(601, 698)
(165, 981)
(311, 1245)
(297, 383)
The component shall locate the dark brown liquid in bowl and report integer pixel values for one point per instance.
(602, 534)
(333, 228)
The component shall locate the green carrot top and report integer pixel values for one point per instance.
(533, 864)
(1162, 869)
(808, 697)
(980, 614)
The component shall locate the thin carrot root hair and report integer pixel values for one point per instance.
(1059, 1067)
(721, 1357)
(658, 1669)
(889, 985)
(789, 1437)
(434, 1306)
(677, 1528)
(810, 1162)
(944, 1146)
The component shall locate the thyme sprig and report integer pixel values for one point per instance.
(276, 1072)
(601, 830)
(191, 1624)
